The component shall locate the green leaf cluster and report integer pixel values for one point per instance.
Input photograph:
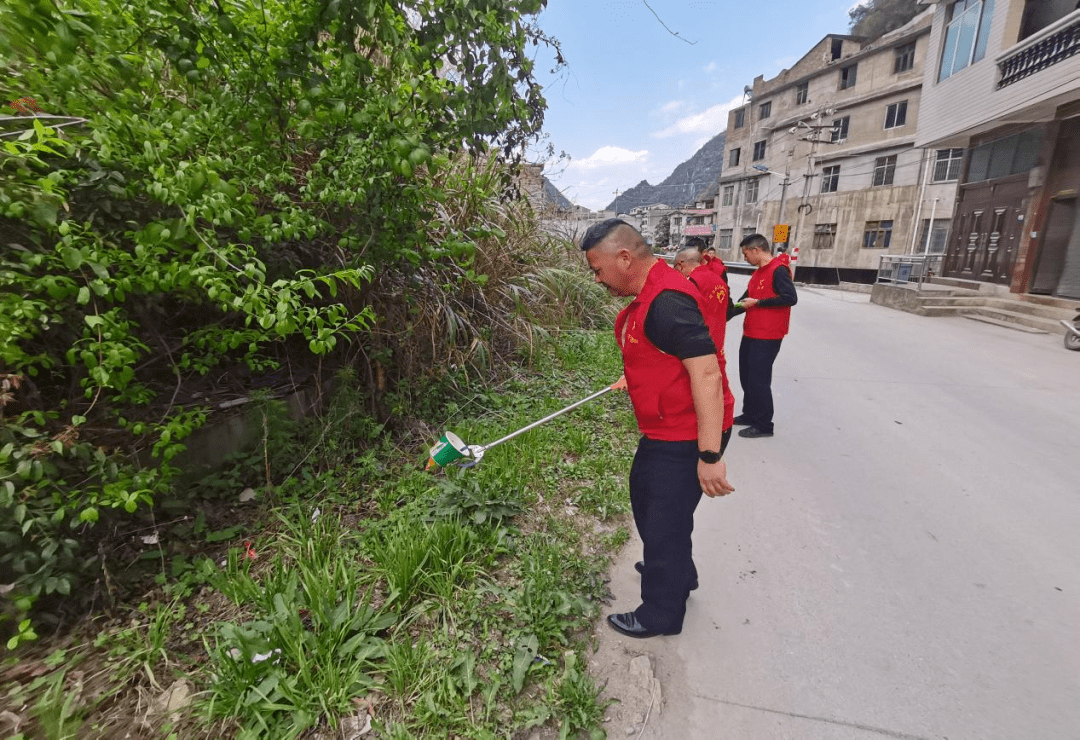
(213, 184)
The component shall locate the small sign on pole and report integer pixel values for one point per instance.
(780, 233)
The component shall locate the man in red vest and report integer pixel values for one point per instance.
(691, 263)
(675, 383)
(714, 263)
(767, 303)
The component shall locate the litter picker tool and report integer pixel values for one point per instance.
(451, 449)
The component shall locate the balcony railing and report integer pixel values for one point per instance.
(1051, 45)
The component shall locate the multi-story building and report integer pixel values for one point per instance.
(1002, 82)
(649, 218)
(828, 148)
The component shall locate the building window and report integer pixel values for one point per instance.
(1003, 157)
(733, 157)
(830, 179)
(840, 128)
(765, 110)
(939, 236)
(884, 169)
(824, 236)
(905, 58)
(748, 230)
(729, 196)
(802, 93)
(947, 165)
(740, 117)
(878, 235)
(752, 191)
(759, 150)
(965, 35)
(724, 240)
(847, 76)
(896, 115)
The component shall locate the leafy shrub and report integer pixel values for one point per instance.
(212, 186)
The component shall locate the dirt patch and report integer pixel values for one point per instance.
(624, 667)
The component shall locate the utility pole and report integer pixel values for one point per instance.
(813, 136)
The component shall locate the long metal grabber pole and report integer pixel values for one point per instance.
(546, 419)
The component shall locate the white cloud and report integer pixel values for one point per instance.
(671, 107)
(709, 121)
(609, 156)
(710, 67)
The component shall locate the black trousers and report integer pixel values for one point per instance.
(664, 492)
(756, 357)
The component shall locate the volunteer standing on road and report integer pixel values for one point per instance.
(691, 263)
(674, 381)
(767, 303)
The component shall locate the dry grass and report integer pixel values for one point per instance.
(483, 314)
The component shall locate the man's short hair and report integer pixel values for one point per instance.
(688, 254)
(626, 233)
(756, 241)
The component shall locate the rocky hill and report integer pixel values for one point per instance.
(555, 196)
(687, 180)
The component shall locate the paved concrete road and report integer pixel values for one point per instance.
(902, 560)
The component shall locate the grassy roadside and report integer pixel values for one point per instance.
(361, 589)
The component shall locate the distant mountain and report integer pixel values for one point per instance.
(687, 180)
(555, 195)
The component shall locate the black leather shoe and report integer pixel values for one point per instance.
(639, 566)
(751, 432)
(628, 625)
(740, 420)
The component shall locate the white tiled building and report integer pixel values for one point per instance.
(1002, 83)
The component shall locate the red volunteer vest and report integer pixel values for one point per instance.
(715, 292)
(766, 323)
(716, 265)
(658, 383)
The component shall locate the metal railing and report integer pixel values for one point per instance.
(1051, 45)
(908, 269)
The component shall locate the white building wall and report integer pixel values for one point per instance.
(969, 102)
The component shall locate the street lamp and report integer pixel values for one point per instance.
(783, 189)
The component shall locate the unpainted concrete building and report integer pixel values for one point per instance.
(828, 148)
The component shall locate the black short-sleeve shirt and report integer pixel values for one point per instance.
(675, 325)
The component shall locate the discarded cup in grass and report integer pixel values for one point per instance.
(449, 448)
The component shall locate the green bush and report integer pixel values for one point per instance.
(213, 187)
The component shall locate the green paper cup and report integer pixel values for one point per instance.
(449, 448)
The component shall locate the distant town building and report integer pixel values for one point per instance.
(1001, 102)
(649, 218)
(831, 142)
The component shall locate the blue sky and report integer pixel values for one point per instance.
(635, 100)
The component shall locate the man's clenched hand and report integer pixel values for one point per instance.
(713, 479)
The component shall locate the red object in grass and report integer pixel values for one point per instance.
(250, 551)
(25, 105)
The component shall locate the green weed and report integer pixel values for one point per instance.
(313, 643)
